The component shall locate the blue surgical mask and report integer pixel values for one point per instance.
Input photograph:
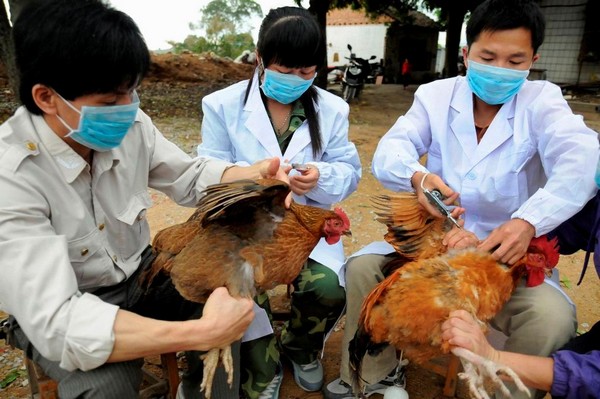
(102, 128)
(495, 85)
(285, 88)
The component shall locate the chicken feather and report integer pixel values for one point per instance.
(408, 308)
(242, 237)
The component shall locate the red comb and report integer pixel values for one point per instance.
(548, 247)
(340, 212)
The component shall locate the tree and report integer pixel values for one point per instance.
(227, 17)
(226, 31)
(229, 45)
(195, 44)
(453, 14)
(319, 9)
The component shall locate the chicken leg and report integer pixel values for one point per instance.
(211, 361)
(479, 372)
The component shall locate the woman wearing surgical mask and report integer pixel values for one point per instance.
(278, 112)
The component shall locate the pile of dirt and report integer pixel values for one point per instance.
(186, 77)
(195, 68)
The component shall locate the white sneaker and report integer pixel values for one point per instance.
(272, 390)
(180, 392)
(338, 389)
(308, 376)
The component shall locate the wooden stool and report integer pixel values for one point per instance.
(448, 367)
(168, 384)
(43, 387)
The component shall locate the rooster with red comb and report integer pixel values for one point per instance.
(408, 308)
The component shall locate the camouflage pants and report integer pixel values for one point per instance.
(316, 304)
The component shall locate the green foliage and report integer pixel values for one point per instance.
(228, 45)
(195, 44)
(226, 28)
(232, 45)
(223, 17)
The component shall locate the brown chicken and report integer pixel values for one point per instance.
(408, 308)
(242, 237)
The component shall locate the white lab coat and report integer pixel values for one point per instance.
(242, 133)
(535, 162)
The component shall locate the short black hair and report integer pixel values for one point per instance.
(77, 47)
(290, 36)
(495, 15)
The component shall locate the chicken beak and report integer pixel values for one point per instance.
(347, 233)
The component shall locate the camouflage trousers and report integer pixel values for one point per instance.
(316, 303)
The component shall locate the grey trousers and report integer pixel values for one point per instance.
(110, 381)
(122, 380)
(537, 321)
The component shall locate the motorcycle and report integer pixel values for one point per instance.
(355, 74)
(334, 74)
(376, 69)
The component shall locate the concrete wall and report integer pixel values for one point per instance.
(565, 22)
(366, 40)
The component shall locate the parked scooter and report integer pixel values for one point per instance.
(355, 75)
(375, 70)
(335, 74)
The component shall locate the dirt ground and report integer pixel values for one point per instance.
(171, 95)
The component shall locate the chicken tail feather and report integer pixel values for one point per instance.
(358, 347)
(362, 342)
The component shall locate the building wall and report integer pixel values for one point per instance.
(366, 40)
(565, 23)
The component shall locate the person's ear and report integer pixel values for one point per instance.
(465, 53)
(535, 58)
(45, 98)
(260, 64)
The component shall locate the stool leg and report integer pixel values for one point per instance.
(42, 386)
(170, 372)
(451, 377)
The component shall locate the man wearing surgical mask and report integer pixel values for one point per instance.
(509, 151)
(76, 162)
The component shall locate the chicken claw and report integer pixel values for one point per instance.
(478, 371)
(211, 361)
(227, 361)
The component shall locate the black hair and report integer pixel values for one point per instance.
(291, 36)
(495, 15)
(77, 47)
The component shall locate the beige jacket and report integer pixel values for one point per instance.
(67, 228)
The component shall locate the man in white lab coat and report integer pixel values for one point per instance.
(510, 151)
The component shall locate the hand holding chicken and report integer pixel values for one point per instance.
(244, 238)
(408, 308)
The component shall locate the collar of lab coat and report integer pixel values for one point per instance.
(463, 124)
(257, 122)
